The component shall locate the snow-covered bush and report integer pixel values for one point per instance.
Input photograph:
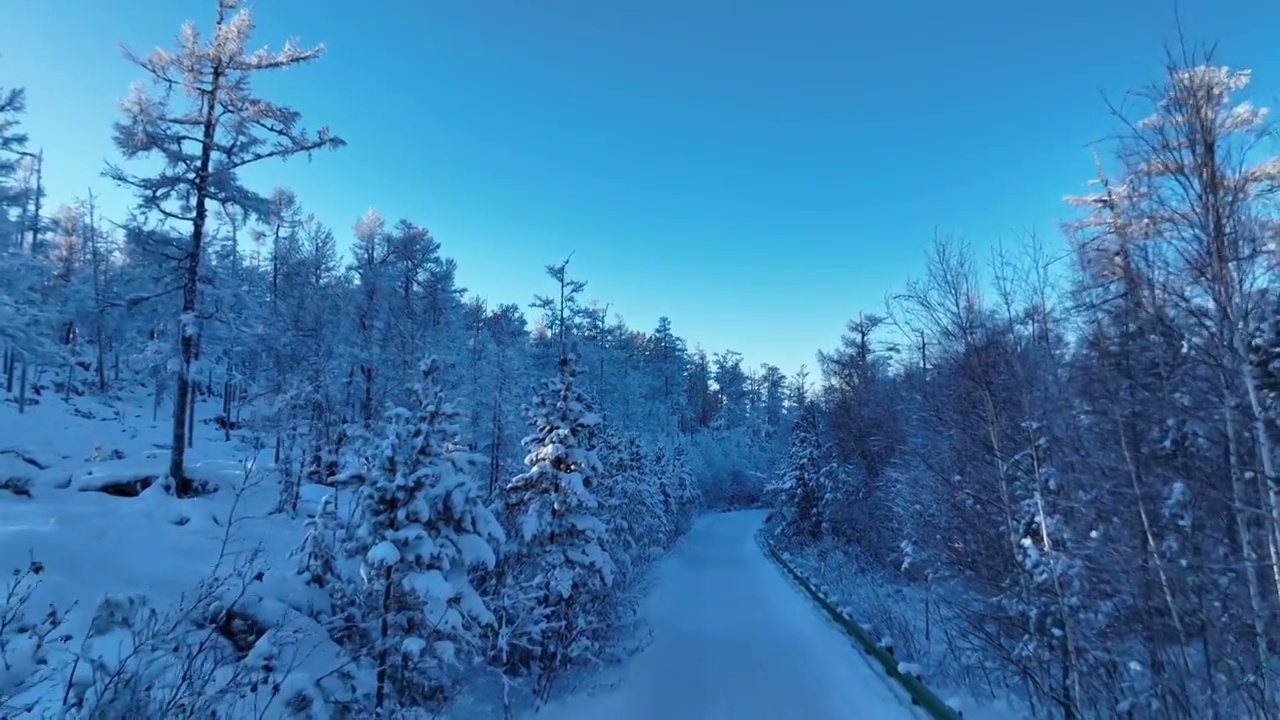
(27, 635)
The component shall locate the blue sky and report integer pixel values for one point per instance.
(758, 171)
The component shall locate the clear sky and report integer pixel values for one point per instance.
(759, 171)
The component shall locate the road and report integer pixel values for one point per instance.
(735, 640)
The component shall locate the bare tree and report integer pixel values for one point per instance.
(1198, 188)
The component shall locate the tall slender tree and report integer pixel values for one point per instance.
(197, 114)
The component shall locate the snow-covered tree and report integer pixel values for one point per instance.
(558, 533)
(641, 522)
(688, 495)
(201, 119)
(318, 556)
(798, 490)
(427, 528)
(23, 315)
(667, 359)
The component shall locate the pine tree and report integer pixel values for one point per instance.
(558, 531)
(798, 489)
(427, 528)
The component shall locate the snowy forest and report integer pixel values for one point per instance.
(1055, 473)
(1050, 475)
(514, 468)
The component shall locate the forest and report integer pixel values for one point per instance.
(517, 470)
(1050, 475)
(1064, 464)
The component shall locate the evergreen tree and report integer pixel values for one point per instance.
(798, 489)
(558, 532)
(427, 528)
(668, 493)
(634, 500)
(317, 558)
(688, 497)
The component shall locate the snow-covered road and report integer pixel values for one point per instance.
(735, 640)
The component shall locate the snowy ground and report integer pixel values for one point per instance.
(54, 463)
(734, 639)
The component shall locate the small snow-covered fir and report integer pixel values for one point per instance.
(562, 541)
(427, 528)
(799, 490)
(553, 500)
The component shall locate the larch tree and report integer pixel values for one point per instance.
(1199, 187)
(22, 311)
(198, 116)
(560, 313)
(13, 143)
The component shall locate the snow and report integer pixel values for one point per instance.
(146, 552)
(733, 638)
(384, 553)
(896, 614)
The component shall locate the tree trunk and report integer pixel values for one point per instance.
(191, 417)
(95, 259)
(1267, 454)
(384, 631)
(1249, 557)
(22, 388)
(182, 485)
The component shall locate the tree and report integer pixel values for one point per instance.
(774, 396)
(641, 504)
(426, 528)
(554, 505)
(731, 389)
(1198, 193)
(687, 493)
(560, 312)
(13, 144)
(201, 119)
(667, 358)
(23, 314)
(799, 491)
(317, 557)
